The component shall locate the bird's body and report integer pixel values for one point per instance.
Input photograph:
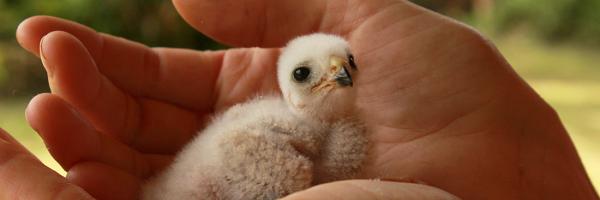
(269, 147)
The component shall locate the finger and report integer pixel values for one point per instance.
(252, 23)
(246, 73)
(30, 32)
(22, 176)
(371, 189)
(104, 181)
(272, 23)
(73, 75)
(71, 140)
(233, 77)
(135, 68)
(160, 73)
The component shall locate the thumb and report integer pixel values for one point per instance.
(371, 190)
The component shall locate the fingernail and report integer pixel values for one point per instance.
(48, 67)
(43, 58)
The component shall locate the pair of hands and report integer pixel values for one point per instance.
(443, 106)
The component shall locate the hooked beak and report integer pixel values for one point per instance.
(339, 67)
(337, 76)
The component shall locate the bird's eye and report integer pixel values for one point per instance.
(351, 62)
(301, 74)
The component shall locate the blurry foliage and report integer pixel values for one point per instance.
(557, 20)
(554, 21)
(151, 22)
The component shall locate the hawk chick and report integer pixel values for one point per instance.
(270, 147)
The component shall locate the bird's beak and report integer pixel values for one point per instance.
(337, 75)
(340, 75)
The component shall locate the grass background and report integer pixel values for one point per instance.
(566, 76)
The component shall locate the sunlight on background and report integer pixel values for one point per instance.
(553, 45)
(572, 87)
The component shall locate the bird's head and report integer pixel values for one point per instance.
(314, 74)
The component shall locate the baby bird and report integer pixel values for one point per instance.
(269, 147)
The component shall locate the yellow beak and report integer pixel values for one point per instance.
(336, 76)
(339, 71)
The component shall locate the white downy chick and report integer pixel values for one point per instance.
(270, 147)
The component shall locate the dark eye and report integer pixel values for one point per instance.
(351, 62)
(301, 74)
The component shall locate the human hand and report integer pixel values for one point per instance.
(442, 104)
(23, 176)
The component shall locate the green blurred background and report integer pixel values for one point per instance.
(554, 45)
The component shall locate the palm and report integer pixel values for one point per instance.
(430, 90)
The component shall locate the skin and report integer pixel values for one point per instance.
(444, 107)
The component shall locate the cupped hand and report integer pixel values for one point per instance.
(442, 105)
